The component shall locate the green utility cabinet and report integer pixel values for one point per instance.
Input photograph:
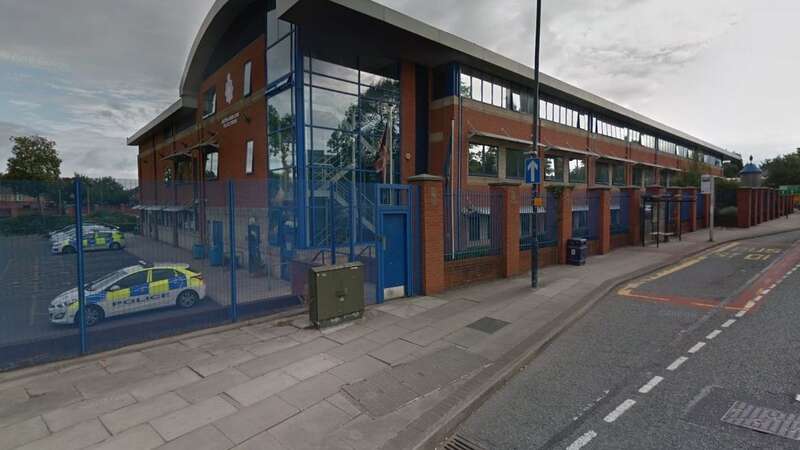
(336, 293)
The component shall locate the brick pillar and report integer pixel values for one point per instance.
(763, 206)
(756, 204)
(705, 212)
(743, 203)
(509, 224)
(431, 213)
(773, 204)
(604, 244)
(692, 208)
(634, 214)
(564, 223)
(676, 208)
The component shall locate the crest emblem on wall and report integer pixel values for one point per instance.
(229, 89)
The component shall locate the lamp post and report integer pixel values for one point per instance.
(535, 150)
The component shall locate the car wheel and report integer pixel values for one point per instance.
(94, 315)
(187, 299)
(115, 246)
(68, 249)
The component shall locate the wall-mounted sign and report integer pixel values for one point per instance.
(230, 121)
(706, 184)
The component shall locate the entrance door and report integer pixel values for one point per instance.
(217, 244)
(395, 255)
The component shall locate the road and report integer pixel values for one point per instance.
(658, 363)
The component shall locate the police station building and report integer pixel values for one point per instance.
(343, 130)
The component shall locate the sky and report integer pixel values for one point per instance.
(89, 73)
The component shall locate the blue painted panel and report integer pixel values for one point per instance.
(395, 250)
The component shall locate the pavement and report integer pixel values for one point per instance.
(403, 377)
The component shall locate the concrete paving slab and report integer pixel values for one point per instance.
(392, 352)
(20, 434)
(311, 391)
(261, 387)
(309, 367)
(78, 437)
(171, 357)
(380, 394)
(271, 346)
(283, 358)
(350, 333)
(308, 430)
(426, 335)
(353, 349)
(206, 438)
(56, 381)
(261, 441)
(213, 385)
(161, 384)
(12, 413)
(358, 369)
(415, 323)
(117, 382)
(68, 416)
(466, 337)
(305, 335)
(217, 363)
(345, 404)
(228, 340)
(259, 417)
(388, 334)
(192, 417)
(262, 331)
(143, 437)
(139, 413)
(125, 361)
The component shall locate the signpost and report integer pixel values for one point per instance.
(707, 187)
(533, 165)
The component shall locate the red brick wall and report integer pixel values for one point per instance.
(472, 270)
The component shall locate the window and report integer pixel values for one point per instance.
(248, 164)
(136, 279)
(577, 170)
(483, 160)
(554, 169)
(210, 102)
(248, 78)
(618, 175)
(212, 165)
(601, 173)
(580, 223)
(515, 163)
(162, 274)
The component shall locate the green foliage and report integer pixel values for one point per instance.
(41, 224)
(732, 169)
(783, 170)
(33, 158)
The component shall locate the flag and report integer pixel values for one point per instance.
(383, 153)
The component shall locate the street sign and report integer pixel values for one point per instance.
(533, 171)
(538, 202)
(706, 184)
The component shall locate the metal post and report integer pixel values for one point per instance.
(711, 212)
(535, 149)
(332, 230)
(232, 238)
(79, 255)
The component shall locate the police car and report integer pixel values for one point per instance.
(96, 240)
(69, 230)
(133, 289)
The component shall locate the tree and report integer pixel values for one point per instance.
(33, 158)
(783, 170)
(731, 169)
(34, 166)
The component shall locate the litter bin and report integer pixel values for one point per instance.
(577, 249)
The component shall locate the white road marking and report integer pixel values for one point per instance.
(750, 304)
(620, 410)
(713, 334)
(650, 385)
(696, 348)
(677, 363)
(797, 398)
(741, 313)
(765, 291)
(773, 285)
(758, 298)
(583, 440)
(728, 323)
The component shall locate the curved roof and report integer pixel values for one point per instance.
(219, 18)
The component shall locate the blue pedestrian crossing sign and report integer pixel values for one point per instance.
(533, 171)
